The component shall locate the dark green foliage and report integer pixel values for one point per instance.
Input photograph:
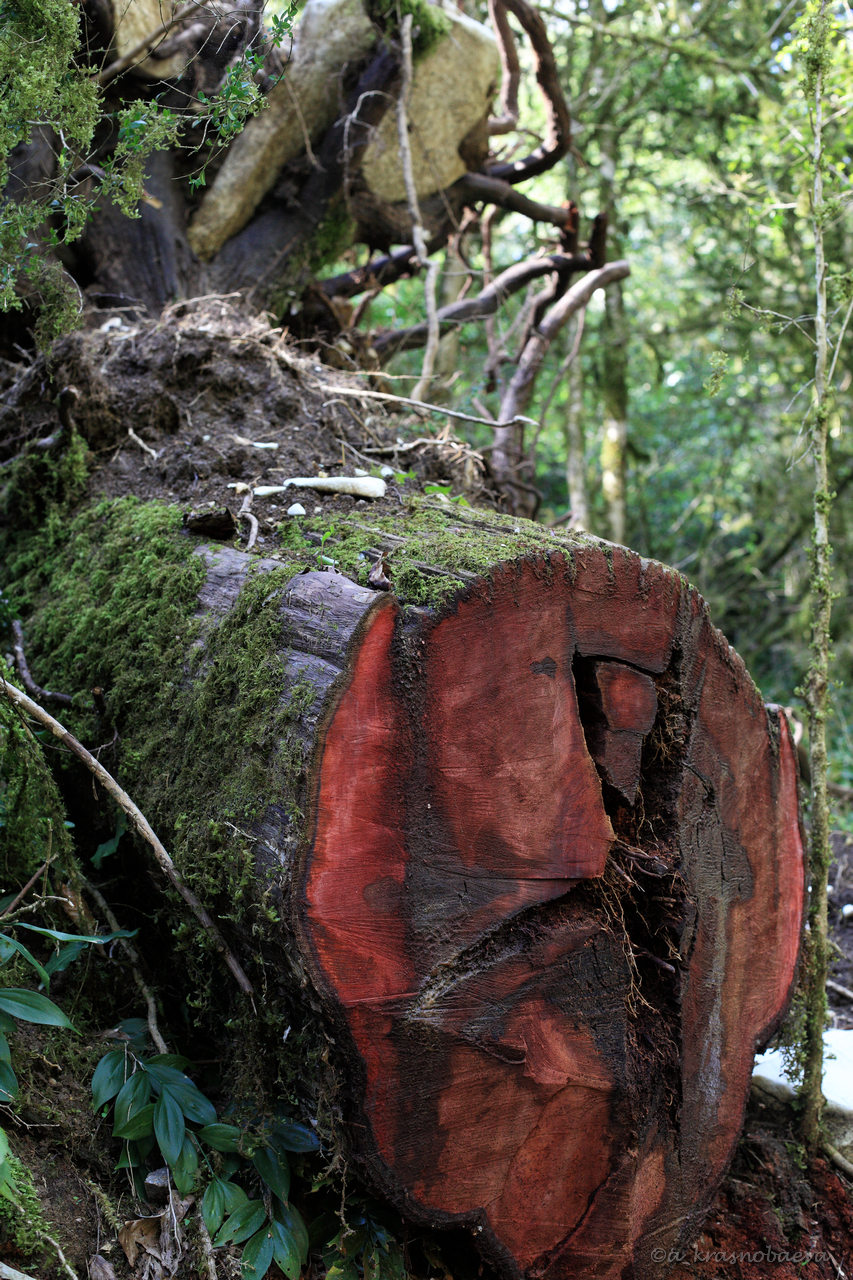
(155, 1103)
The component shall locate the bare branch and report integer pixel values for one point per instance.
(486, 302)
(508, 448)
(485, 187)
(29, 683)
(558, 131)
(508, 119)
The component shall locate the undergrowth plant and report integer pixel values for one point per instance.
(19, 1004)
(245, 1169)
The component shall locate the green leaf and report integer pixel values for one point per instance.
(5, 1051)
(186, 1166)
(109, 846)
(169, 1126)
(7, 1181)
(8, 1083)
(29, 1006)
(342, 1270)
(135, 1154)
(243, 1222)
(168, 1060)
(234, 1195)
(213, 1206)
(294, 1137)
(95, 939)
(274, 1171)
(108, 1077)
(139, 1125)
(64, 957)
(132, 1097)
(9, 946)
(286, 1251)
(189, 1097)
(257, 1254)
(222, 1137)
(293, 1222)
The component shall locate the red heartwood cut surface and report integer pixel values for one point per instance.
(554, 887)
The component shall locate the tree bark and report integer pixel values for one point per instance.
(549, 892)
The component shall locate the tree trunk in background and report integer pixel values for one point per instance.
(576, 446)
(614, 378)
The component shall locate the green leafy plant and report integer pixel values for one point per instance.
(23, 1005)
(364, 1248)
(155, 1105)
(444, 491)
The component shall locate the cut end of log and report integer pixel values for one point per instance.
(554, 889)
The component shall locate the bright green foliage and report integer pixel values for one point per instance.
(22, 1219)
(41, 87)
(45, 87)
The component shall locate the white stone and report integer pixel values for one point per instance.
(296, 509)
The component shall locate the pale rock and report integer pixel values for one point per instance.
(452, 90)
(134, 22)
(330, 34)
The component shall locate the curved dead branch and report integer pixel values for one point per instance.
(486, 303)
(507, 121)
(508, 449)
(558, 127)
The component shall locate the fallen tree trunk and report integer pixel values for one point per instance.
(543, 872)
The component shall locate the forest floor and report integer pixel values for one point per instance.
(205, 393)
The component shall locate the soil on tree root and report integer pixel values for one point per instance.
(181, 408)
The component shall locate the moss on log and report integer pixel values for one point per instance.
(518, 833)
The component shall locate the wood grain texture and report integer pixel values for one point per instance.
(553, 887)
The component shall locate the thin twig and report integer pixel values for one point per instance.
(360, 393)
(138, 819)
(45, 695)
(832, 985)
(20, 897)
(418, 238)
(135, 966)
(245, 513)
(138, 440)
